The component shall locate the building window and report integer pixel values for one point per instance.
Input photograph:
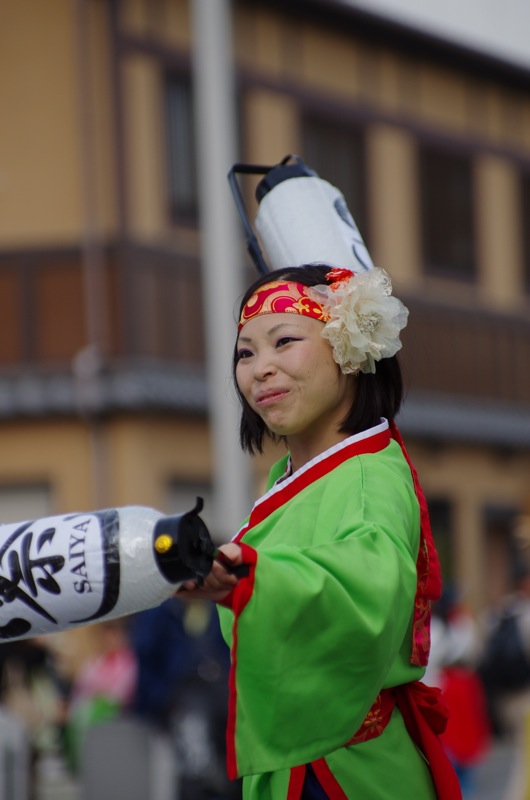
(446, 186)
(525, 181)
(182, 159)
(336, 153)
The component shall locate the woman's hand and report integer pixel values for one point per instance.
(219, 582)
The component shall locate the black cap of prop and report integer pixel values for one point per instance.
(183, 547)
(282, 172)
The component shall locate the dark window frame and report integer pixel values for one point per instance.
(525, 215)
(327, 161)
(447, 215)
(181, 173)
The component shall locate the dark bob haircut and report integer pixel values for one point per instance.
(377, 395)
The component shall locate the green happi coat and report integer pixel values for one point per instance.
(323, 623)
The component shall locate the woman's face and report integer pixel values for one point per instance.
(286, 372)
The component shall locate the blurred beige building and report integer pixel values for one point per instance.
(103, 397)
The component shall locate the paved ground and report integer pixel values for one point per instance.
(490, 780)
(492, 775)
(54, 783)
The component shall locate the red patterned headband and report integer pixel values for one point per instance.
(362, 320)
(282, 297)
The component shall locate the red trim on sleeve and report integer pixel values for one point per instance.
(240, 596)
(296, 782)
(228, 600)
(239, 535)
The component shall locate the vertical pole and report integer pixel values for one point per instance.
(215, 115)
(86, 365)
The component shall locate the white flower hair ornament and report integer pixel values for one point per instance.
(364, 319)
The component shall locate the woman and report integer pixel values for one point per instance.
(329, 628)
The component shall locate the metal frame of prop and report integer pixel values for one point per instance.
(253, 247)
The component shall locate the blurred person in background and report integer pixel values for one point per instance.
(103, 681)
(505, 667)
(181, 690)
(452, 667)
(31, 692)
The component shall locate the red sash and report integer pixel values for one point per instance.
(425, 716)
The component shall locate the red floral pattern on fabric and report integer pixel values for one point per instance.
(282, 297)
(377, 718)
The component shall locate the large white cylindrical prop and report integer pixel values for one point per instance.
(63, 571)
(305, 220)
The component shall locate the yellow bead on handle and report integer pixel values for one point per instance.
(163, 543)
